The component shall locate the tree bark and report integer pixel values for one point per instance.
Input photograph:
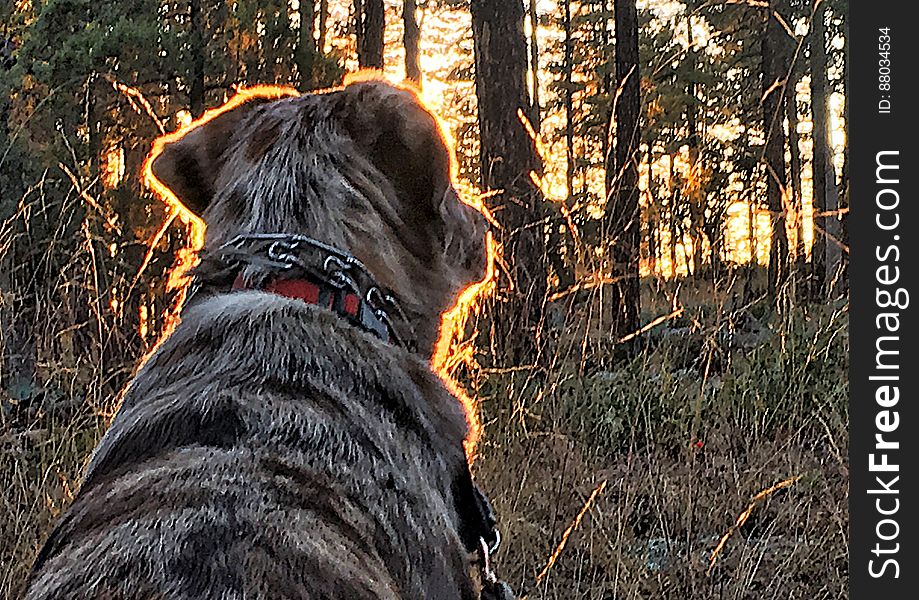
(323, 25)
(411, 40)
(606, 82)
(535, 109)
(694, 190)
(834, 235)
(508, 155)
(371, 19)
(306, 50)
(652, 220)
(621, 218)
(196, 44)
(820, 158)
(843, 286)
(672, 214)
(569, 104)
(359, 28)
(794, 182)
(773, 72)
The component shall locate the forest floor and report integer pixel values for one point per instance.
(610, 482)
(711, 464)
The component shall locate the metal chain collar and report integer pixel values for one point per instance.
(321, 262)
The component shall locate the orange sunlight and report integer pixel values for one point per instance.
(187, 257)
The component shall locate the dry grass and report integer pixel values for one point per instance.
(69, 341)
(691, 434)
(711, 407)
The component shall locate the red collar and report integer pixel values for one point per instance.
(345, 304)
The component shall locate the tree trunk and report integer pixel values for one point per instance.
(843, 286)
(323, 25)
(621, 218)
(820, 158)
(569, 104)
(751, 231)
(773, 69)
(694, 190)
(833, 249)
(306, 50)
(834, 252)
(93, 133)
(606, 82)
(535, 110)
(371, 19)
(508, 156)
(359, 28)
(411, 40)
(794, 184)
(671, 206)
(652, 218)
(196, 46)
(16, 364)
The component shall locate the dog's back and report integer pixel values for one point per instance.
(268, 450)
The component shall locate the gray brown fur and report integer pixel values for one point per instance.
(268, 449)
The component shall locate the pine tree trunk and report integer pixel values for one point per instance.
(359, 28)
(606, 82)
(773, 70)
(834, 252)
(671, 206)
(820, 158)
(371, 23)
(306, 50)
(93, 134)
(535, 109)
(751, 231)
(694, 190)
(794, 182)
(621, 218)
(323, 25)
(843, 286)
(652, 218)
(196, 43)
(569, 104)
(411, 40)
(508, 156)
(15, 341)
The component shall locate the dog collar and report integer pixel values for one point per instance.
(319, 274)
(345, 304)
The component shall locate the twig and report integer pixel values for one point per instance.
(742, 518)
(586, 284)
(651, 325)
(106, 214)
(574, 525)
(135, 97)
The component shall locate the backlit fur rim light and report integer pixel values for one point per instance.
(453, 320)
(242, 95)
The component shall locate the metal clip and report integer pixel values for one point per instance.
(337, 270)
(485, 555)
(497, 541)
(282, 252)
(377, 299)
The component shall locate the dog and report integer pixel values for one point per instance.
(289, 440)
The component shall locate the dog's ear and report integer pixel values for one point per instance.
(189, 165)
(405, 142)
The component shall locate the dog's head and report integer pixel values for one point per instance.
(364, 168)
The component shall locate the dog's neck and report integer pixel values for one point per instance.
(302, 268)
